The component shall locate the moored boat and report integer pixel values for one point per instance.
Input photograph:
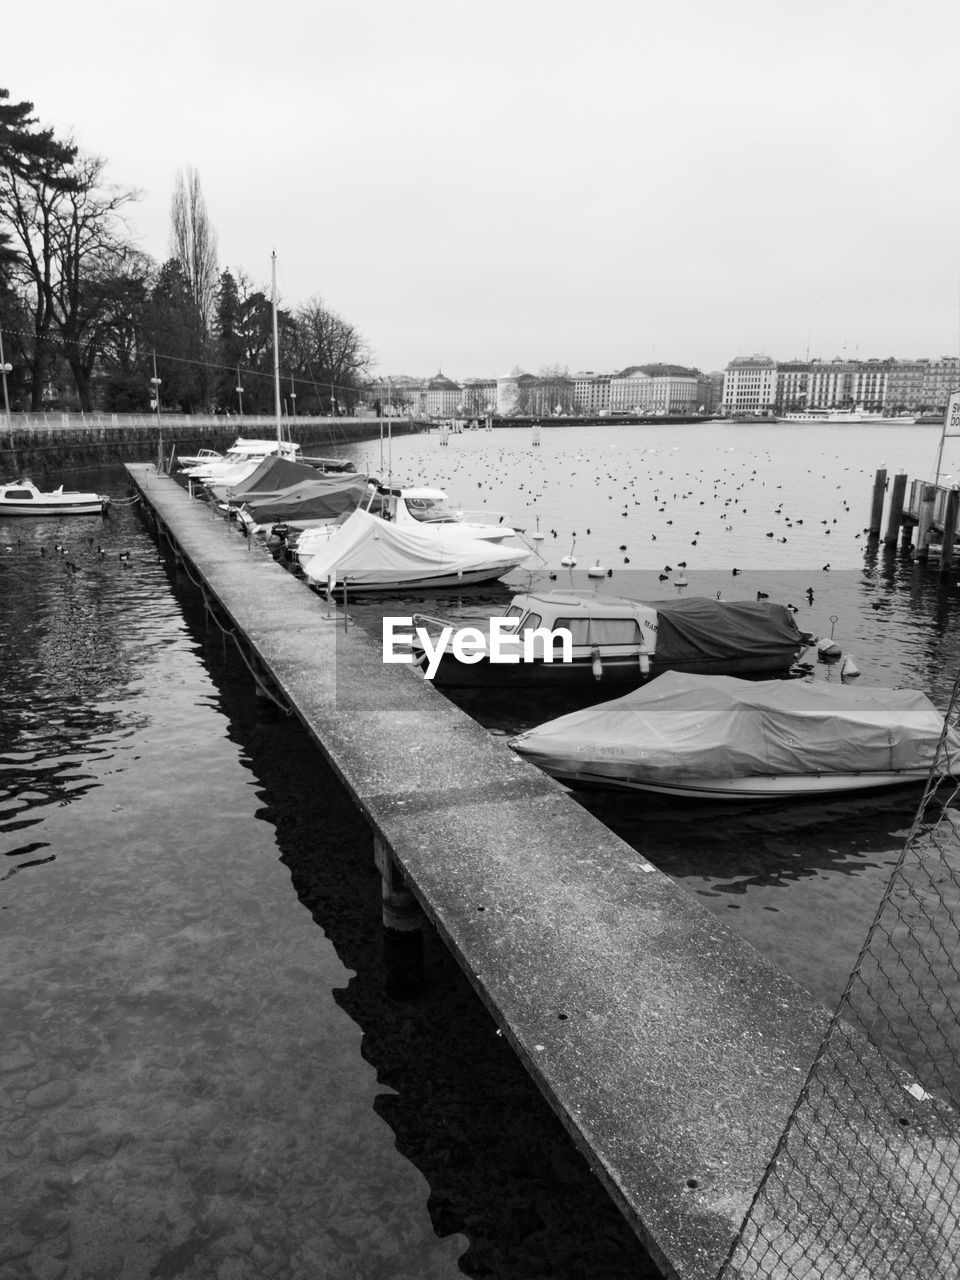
(620, 643)
(23, 498)
(367, 554)
(421, 509)
(717, 737)
(240, 461)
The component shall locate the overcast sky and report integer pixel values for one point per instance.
(584, 183)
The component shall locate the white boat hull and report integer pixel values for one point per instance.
(51, 509)
(23, 498)
(426, 582)
(760, 787)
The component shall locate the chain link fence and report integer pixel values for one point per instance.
(865, 1182)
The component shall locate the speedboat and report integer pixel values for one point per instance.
(23, 498)
(203, 457)
(240, 461)
(364, 553)
(623, 643)
(431, 510)
(718, 737)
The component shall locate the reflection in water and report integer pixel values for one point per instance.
(501, 1169)
(209, 1095)
(801, 881)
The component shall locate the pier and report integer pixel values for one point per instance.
(921, 519)
(670, 1049)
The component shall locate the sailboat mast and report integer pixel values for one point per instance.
(276, 345)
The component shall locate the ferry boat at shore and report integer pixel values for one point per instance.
(849, 417)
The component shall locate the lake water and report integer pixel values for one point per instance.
(199, 1072)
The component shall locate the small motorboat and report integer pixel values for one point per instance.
(720, 738)
(620, 643)
(203, 457)
(23, 498)
(364, 553)
(420, 509)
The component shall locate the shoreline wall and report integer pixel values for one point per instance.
(40, 447)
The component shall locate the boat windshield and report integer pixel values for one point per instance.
(602, 630)
(431, 510)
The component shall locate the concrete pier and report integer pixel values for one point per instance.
(670, 1049)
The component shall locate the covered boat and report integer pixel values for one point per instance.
(320, 498)
(724, 738)
(370, 554)
(272, 474)
(23, 498)
(421, 509)
(622, 643)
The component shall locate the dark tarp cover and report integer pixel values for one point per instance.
(273, 473)
(319, 498)
(683, 726)
(688, 630)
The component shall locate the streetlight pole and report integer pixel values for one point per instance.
(5, 369)
(155, 406)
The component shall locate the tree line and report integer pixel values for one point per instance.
(88, 319)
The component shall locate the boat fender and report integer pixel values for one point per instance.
(849, 669)
(596, 663)
(644, 663)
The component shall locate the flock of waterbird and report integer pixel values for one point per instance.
(722, 503)
(582, 493)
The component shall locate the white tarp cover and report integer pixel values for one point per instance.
(691, 726)
(366, 549)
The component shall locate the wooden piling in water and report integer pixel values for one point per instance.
(949, 531)
(895, 515)
(876, 507)
(925, 525)
(402, 928)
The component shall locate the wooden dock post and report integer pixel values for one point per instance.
(402, 929)
(949, 531)
(925, 525)
(895, 516)
(876, 508)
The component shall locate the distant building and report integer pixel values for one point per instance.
(479, 397)
(591, 393)
(750, 385)
(758, 384)
(442, 398)
(656, 389)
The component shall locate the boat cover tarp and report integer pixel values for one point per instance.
(366, 549)
(682, 726)
(688, 630)
(319, 498)
(273, 473)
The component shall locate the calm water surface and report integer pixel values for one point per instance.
(200, 1073)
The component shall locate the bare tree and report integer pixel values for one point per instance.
(330, 351)
(70, 241)
(193, 242)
